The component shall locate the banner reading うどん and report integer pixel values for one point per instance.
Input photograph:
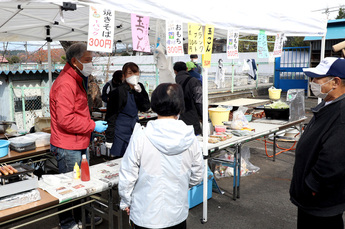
(101, 29)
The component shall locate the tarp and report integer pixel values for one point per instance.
(28, 20)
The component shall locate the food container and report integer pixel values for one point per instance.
(220, 129)
(41, 138)
(277, 113)
(22, 144)
(4, 147)
(274, 93)
(218, 115)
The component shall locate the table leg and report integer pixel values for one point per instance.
(235, 173)
(239, 170)
(274, 146)
(110, 209)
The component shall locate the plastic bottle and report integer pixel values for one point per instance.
(76, 171)
(84, 166)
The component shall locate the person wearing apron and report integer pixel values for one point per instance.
(122, 110)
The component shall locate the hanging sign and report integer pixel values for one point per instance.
(262, 49)
(174, 38)
(101, 29)
(278, 45)
(208, 41)
(140, 33)
(195, 39)
(232, 44)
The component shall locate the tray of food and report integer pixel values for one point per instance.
(8, 171)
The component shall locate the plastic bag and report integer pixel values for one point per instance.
(238, 119)
(247, 168)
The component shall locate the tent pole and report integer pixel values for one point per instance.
(205, 139)
(322, 56)
(49, 65)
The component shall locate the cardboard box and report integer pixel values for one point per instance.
(196, 193)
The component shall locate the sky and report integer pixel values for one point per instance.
(295, 6)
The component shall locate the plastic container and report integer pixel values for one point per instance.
(41, 138)
(274, 93)
(219, 115)
(85, 171)
(220, 129)
(22, 144)
(195, 194)
(4, 148)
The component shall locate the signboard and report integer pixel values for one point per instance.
(140, 33)
(174, 38)
(262, 49)
(101, 29)
(208, 41)
(232, 44)
(278, 45)
(195, 39)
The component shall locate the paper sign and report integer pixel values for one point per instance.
(232, 44)
(174, 38)
(208, 41)
(195, 39)
(140, 33)
(278, 45)
(101, 29)
(262, 45)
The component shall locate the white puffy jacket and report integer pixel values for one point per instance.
(159, 165)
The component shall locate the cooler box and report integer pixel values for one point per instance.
(195, 194)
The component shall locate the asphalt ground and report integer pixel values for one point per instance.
(264, 195)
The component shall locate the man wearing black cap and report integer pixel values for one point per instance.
(318, 182)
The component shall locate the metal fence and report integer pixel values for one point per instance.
(29, 103)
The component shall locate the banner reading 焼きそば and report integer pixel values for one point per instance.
(174, 38)
(195, 39)
(208, 43)
(278, 45)
(140, 33)
(232, 44)
(101, 29)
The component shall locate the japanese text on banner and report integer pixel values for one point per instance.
(101, 29)
(195, 39)
(278, 45)
(232, 44)
(174, 38)
(140, 33)
(262, 45)
(208, 42)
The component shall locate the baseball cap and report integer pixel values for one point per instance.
(190, 65)
(330, 66)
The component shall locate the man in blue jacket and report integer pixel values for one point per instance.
(318, 182)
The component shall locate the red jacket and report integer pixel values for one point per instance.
(71, 124)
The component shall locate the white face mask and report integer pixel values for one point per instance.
(87, 68)
(134, 80)
(195, 60)
(316, 89)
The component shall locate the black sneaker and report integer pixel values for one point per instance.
(98, 221)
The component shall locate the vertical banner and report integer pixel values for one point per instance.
(174, 38)
(140, 33)
(195, 39)
(278, 45)
(232, 44)
(262, 49)
(101, 29)
(208, 41)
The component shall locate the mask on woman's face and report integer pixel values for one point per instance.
(87, 68)
(134, 79)
(316, 89)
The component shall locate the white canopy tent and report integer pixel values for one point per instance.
(43, 20)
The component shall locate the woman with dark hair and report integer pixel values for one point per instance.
(160, 164)
(122, 110)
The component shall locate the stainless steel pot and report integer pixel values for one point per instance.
(4, 125)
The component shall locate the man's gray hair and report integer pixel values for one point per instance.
(76, 50)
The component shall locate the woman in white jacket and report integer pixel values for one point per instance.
(160, 164)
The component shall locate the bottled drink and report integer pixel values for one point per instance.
(76, 171)
(84, 166)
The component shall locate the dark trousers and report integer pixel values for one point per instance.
(307, 221)
(182, 225)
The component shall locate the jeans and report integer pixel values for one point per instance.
(66, 160)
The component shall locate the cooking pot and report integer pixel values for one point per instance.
(4, 125)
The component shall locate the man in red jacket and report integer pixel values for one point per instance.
(71, 123)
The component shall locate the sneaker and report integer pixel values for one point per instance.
(98, 221)
(69, 225)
